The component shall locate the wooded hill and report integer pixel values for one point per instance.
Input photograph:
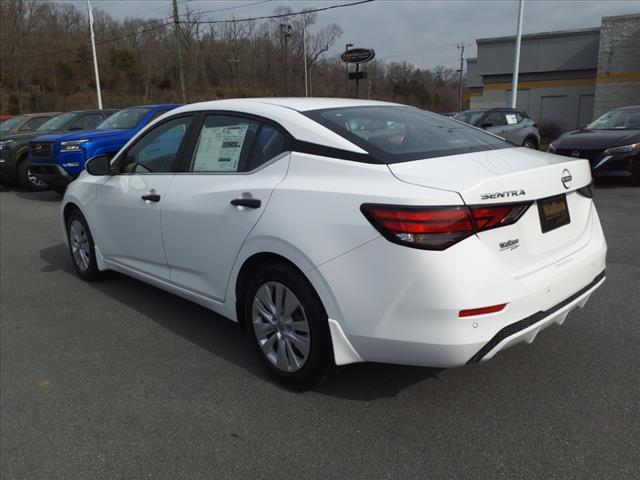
(46, 62)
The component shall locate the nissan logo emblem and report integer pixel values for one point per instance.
(566, 178)
(38, 147)
(575, 154)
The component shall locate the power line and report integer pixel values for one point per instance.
(164, 24)
(283, 15)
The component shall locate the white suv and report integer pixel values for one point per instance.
(340, 231)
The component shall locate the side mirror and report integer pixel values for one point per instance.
(99, 165)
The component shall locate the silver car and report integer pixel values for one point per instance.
(507, 123)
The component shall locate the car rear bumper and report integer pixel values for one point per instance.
(401, 305)
(51, 173)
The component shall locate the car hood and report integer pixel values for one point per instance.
(596, 139)
(84, 134)
(28, 135)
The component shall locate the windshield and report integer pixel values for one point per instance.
(59, 122)
(396, 134)
(622, 119)
(470, 116)
(8, 125)
(124, 119)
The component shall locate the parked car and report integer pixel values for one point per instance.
(611, 143)
(417, 240)
(59, 159)
(27, 122)
(508, 123)
(14, 148)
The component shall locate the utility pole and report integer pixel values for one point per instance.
(304, 52)
(461, 48)
(286, 31)
(95, 58)
(176, 23)
(346, 67)
(516, 61)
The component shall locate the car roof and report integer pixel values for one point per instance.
(41, 114)
(628, 107)
(299, 104)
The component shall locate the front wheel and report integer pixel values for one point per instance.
(289, 326)
(530, 143)
(27, 180)
(81, 246)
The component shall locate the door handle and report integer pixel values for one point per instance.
(151, 197)
(246, 202)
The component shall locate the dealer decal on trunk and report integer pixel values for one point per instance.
(509, 244)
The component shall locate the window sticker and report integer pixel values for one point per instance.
(219, 148)
(511, 118)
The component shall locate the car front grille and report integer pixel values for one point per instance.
(41, 149)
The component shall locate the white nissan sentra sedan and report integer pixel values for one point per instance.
(340, 231)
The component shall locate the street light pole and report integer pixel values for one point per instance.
(346, 67)
(304, 52)
(95, 58)
(516, 61)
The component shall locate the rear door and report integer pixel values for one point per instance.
(514, 127)
(212, 205)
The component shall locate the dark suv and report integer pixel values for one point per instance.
(14, 147)
(507, 123)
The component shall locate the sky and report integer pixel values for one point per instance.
(422, 32)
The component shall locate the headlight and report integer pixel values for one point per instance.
(72, 146)
(552, 147)
(5, 144)
(634, 147)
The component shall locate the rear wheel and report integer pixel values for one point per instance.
(289, 326)
(530, 143)
(27, 180)
(81, 246)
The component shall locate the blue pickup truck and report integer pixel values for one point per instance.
(59, 159)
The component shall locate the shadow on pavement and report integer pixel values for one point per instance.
(223, 338)
(614, 182)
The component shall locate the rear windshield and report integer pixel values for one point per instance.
(124, 119)
(395, 134)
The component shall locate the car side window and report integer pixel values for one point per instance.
(224, 144)
(87, 122)
(270, 142)
(33, 124)
(519, 116)
(156, 150)
(495, 118)
(511, 118)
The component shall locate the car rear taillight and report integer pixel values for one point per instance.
(482, 310)
(437, 228)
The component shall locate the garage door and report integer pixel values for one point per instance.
(554, 108)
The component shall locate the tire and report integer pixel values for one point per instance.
(296, 347)
(81, 247)
(59, 189)
(530, 143)
(28, 181)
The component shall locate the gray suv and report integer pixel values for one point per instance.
(508, 123)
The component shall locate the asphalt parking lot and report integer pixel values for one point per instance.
(117, 379)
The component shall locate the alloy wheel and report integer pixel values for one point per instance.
(35, 181)
(79, 245)
(281, 327)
